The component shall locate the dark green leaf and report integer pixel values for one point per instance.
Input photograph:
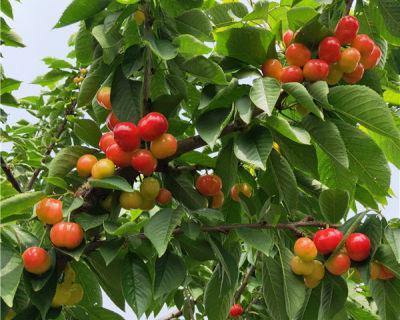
(10, 273)
(333, 296)
(227, 167)
(334, 204)
(114, 182)
(88, 131)
(265, 93)
(170, 272)
(194, 22)
(205, 69)
(16, 204)
(261, 240)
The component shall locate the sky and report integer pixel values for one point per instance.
(34, 21)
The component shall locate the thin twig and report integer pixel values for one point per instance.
(349, 4)
(174, 315)
(147, 64)
(246, 279)
(10, 176)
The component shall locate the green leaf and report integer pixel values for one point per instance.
(88, 131)
(57, 181)
(247, 44)
(80, 10)
(136, 284)
(210, 124)
(194, 22)
(8, 85)
(319, 91)
(357, 312)
(227, 167)
(114, 183)
(244, 108)
(311, 305)
(17, 204)
(254, 146)
(386, 295)
(312, 33)
(300, 16)
(170, 272)
(10, 273)
(51, 78)
(205, 69)
(333, 296)
(393, 238)
(196, 157)
(89, 221)
(264, 94)
(110, 249)
(162, 48)
(190, 46)
(385, 255)
(161, 226)
(84, 45)
(390, 10)
(300, 93)
(261, 240)
(260, 12)
(110, 42)
(10, 38)
(55, 63)
(365, 106)
(282, 126)
(334, 204)
(90, 313)
(6, 8)
(225, 13)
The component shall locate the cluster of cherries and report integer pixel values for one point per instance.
(343, 56)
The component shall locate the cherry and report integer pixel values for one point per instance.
(315, 70)
(297, 54)
(106, 140)
(301, 267)
(347, 29)
(208, 185)
(358, 246)
(291, 74)
(143, 161)
(374, 270)
(338, 264)
(372, 60)
(120, 157)
(107, 202)
(83, 71)
(139, 17)
(349, 59)
(85, 164)
(164, 197)
(236, 310)
(335, 74)
(103, 168)
(305, 249)
(363, 44)
(152, 125)
(287, 37)
(318, 271)
(126, 134)
(49, 210)
(164, 146)
(329, 50)
(147, 204)
(272, 68)
(243, 188)
(36, 260)
(385, 273)
(218, 200)
(149, 188)
(104, 97)
(327, 240)
(66, 235)
(355, 76)
(131, 200)
(111, 121)
(311, 283)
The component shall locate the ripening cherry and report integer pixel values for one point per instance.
(36, 260)
(85, 164)
(372, 60)
(103, 168)
(363, 44)
(218, 200)
(66, 235)
(149, 188)
(311, 283)
(120, 157)
(355, 76)
(272, 68)
(208, 185)
(241, 188)
(347, 29)
(292, 74)
(287, 37)
(329, 50)
(164, 197)
(139, 17)
(315, 70)
(297, 54)
(106, 140)
(349, 60)
(126, 134)
(374, 270)
(318, 271)
(335, 74)
(236, 310)
(104, 97)
(130, 200)
(358, 246)
(111, 121)
(49, 210)
(143, 161)
(305, 249)
(385, 273)
(152, 125)
(327, 240)
(164, 146)
(338, 264)
(301, 267)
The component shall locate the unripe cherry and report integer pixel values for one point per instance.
(150, 188)
(305, 249)
(297, 54)
(318, 271)
(372, 60)
(209, 184)
(126, 134)
(236, 310)
(311, 283)
(130, 200)
(164, 197)
(329, 50)
(315, 70)
(103, 168)
(217, 200)
(301, 267)
(349, 60)
(347, 29)
(335, 74)
(272, 68)
(287, 37)
(120, 157)
(338, 264)
(143, 161)
(164, 146)
(85, 164)
(111, 121)
(363, 44)
(36, 260)
(49, 210)
(152, 125)
(354, 76)
(327, 240)
(292, 74)
(104, 97)
(241, 188)
(106, 140)
(358, 246)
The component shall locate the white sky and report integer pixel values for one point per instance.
(33, 21)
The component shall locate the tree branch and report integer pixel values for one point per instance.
(246, 279)
(349, 4)
(10, 176)
(147, 72)
(174, 315)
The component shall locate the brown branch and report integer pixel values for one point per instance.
(10, 176)
(174, 315)
(147, 72)
(349, 4)
(246, 279)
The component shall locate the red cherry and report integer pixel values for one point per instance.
(315, 70)
(120, 157)
(236, 310)
(287, 37)
(164, 197)
(126, 134)
(327, 240)
(297, 54)
(385, 273)
(338, 264)
(104, 97)
(364, 44)
(36, 260)
(272, 68)
(152, 125)
(329, 50)
(372, 60)
(291, 74)
(346, 29)
(106, 140)
(49, 210)
(111, 121)
(354, 76)
(143, 161)
(66, 235)
(358, 246)
(209, 184)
